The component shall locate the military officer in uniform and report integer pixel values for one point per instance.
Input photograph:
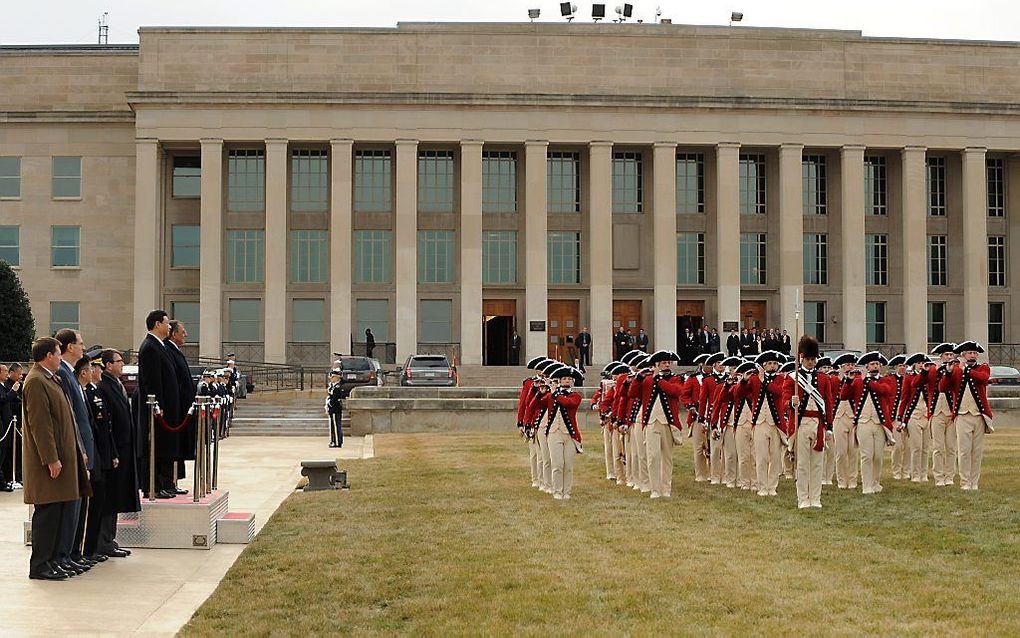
(743, 417)
(528, 387)
(844, 434)
(659, 390)
(710, 387)
(335, 407)
(698, 430)
(535, 415)
(900, 451)
(871, 396)
(913, 416)
(561, 428)
(766, 393)
(943, 429)
(812, 393)
(723, 424)
(621, 416)
(967, 385)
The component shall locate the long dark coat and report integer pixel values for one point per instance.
(121, 483)
(186, 387)
(156, 375)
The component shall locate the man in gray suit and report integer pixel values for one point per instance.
(72, 348)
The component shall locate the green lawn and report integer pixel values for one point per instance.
(443, 534)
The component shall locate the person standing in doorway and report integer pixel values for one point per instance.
(584, 348)
(515, 350)
(369, 342)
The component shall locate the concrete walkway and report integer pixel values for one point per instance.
(153, 591)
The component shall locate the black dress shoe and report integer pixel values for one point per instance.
(180, 491)
(164, 494)
(97, 558)
(6, 487)
(48, 574)
(116, 553)
(54, 567)
(70, 567)
(85, 562)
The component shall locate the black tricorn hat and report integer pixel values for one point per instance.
(788, 366)
(769, 355)
(732, 362)
(544, 366)
(534, 362)
(619, 368)
(567, 371)
(943, 348)
(898, 360)
(644, 361)
(824, 362)
(968, 346)
(663, 355)
(714, 359)
(843, 359)
(917, 357)
(872, 357)
(747, 366)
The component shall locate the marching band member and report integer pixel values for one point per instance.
(562, 433)
(618, 374)
(698, 431)
(723, 424)
(534, 415)
(710, 387)
(621, 408)
(812, 393)
(943, 430)
(967, 385)
(789, 454)
(900, 452)
(743, 416)
(658, 390)
(825, 367)
(634, 420)
(871, 396)
(847, 459)
(913, 415)
(767, 396)
(601, 402)
(534, 451)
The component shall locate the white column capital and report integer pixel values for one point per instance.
(277, 141)
(146, 140)
(471, 142)
(913, 149)
(722, 145)
(975, 149)
(405, 142)
(341, 141)
(672, 145)
(791, 146)
(536, 143)
(853, 148)
(211, 141)
(600, 144)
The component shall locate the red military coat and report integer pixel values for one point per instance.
(883, 388)
(933, 375)
(827, 389)
(967, 378)
(670, 387)
(774, 395)
(724, 405)
(566, 403)
(914, 397)
(523, 399)
(710, 387)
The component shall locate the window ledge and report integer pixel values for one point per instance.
(67, 199)
(10, 199)
(65, 267)
(185, 268)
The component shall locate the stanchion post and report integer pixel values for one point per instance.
(151, 402)
(207, 460)
(215, 458)
(198, 433)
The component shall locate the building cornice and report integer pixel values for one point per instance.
(62, 117)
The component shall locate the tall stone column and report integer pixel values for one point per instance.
(664, 244)
(471, 252)
(536, 257)
(791, 239)
(405, 234)
(341, 200)
(727, 232)
(852, 233)
(600, 250)
(975, 246)
(211, 253)
(913, 229)
(148, 244)
(275, 303)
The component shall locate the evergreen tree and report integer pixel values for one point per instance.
(17, 326)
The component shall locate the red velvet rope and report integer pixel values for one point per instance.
(172, 430)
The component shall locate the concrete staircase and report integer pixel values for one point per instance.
(287, 413)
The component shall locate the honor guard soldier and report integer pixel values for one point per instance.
(848, 460)
(967, 385)
(871, 396)
(610, 435)
(723, 425)
(698, 431)
(812, 393)
(743, 416)
(605, 385)
(659, 390)
(766, 393)
(534, 417)
(900, 451)
(710, 387)
(943, 430)
(824, 366)
(621, 414)
(635, 418)
(561, 428)
(913, 416)
(335, 407)
(789, 455)
(528, 431)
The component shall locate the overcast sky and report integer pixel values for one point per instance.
(75, 21)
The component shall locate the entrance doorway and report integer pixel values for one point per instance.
(626, 315)
(690, 317)
(499, 316)
(563, 317)
(752, 314)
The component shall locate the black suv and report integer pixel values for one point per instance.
(430, 370)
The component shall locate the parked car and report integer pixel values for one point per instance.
(1004, 375)
(360, 371)
(428, 370)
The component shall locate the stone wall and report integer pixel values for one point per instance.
(78, 80)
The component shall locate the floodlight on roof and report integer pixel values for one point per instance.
(624, 11)
(534, 13)
(567, 10)
(598, 11)
(736, 16)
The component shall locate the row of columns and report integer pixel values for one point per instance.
(599, 244)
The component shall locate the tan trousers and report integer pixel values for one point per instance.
(534, 454)
(659, 444)
(607, 447)
(943, 446)
(618, 466)
(919, 438)
(830, 460)
(901, 455)
(700, 439)
(561, 453)
(970, 443)
(544, 463)
(768, 457)
(810, 464)
(729, 456)
(871, 439)
(847, 460)
(747, 476)
(642, 458)
(628, 450)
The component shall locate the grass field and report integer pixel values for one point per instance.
(443, 534)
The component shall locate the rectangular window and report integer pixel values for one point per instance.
(690, 183)
(752, 185)
(64, 314)
(499, 257)
(936, 183)
(10, 177)
(563, 182)
(187, 176)
(814, 184)
(936, 321)
(373, 314)
(690, 259)
(436, 188)
(372, 256)
(875, 193)
(752, 259)
(996, 173)
(627, 187)
(997, 260)
(435, 256)
(373, 181)
(309, 256)
(309, 180)
(185, 246)
(308, 320)
(66, 246)
(875, 320)
(937, 265)
(564, 257)
(814, 320)
(996, 322)
(188, 313)
(10, 245)
(245, 319)
(499, 182)
(246, 180)
(66, 177)
(436, 321)
(816, 259)
(246, 256)
(876, 260)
